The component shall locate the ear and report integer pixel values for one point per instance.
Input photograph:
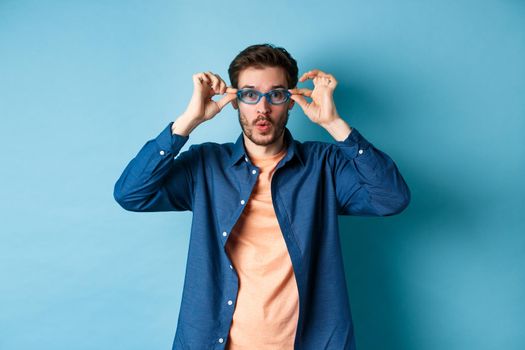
(235, 104)
(292, 102)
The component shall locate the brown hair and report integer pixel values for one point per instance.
(260, 56)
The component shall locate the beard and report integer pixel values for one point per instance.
(276, 129)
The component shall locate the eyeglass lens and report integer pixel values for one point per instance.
(252, 96)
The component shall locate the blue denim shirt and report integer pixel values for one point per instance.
(313, 184)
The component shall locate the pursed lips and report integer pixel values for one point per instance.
(262, 122)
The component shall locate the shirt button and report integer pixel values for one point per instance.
(360, 151)
(162, 153)
(254, 172)
(230, 302)
(245, 159)
(231, 267)
(242, 202)
(224, 233)
(221, 340)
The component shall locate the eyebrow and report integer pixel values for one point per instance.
(273, 87)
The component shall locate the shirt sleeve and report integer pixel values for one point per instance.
(158, 178)
(367, 181)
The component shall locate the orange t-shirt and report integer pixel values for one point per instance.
(267, 307)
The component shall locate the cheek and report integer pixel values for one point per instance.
(244, 108)
(281, 109)
(245, 112)
(248, 111)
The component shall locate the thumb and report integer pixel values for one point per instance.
(301, 101)
(225, 100)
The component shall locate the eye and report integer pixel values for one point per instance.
(277, 94)
(249, 94)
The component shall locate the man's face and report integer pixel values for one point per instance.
(263, 123)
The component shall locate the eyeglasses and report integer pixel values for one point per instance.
(275, 97)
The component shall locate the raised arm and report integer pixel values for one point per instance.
(367, 181)
(158, 178)
(141, 185)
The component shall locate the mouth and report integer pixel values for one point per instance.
(263, 125)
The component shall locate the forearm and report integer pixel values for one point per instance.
(184, 125)
(141, 187)
(338, 128)
(368, 181)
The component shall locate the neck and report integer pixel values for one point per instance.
(263, 151)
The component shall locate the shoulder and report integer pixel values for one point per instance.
(315, 151)
(314, 147)
(212, 149)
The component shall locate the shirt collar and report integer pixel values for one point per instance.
(239, 152)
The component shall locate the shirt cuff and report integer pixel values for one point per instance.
(355, 145)
(169, 142)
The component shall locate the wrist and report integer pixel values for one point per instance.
(184, 124)
(338, 128)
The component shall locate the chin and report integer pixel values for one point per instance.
(263, 139)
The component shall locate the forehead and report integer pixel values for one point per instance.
(262, 79)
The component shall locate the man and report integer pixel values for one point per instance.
(265, 268)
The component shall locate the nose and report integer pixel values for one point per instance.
(264, 106)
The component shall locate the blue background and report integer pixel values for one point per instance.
(438, 85)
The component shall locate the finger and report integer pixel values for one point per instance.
(331, 77)
(313, 74)
(201, 78)
(200, 83)
(301, 101)
(303, 91)
(214, 81)
(218, 83)
(222, 87)
(222, 84)
(198, 78)
(310, 74)
(225, 100)
(322, 80)
(328, 81)
(230, 90)
(206, 79)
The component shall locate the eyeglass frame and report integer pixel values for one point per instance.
(261, 95)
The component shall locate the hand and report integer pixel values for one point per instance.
(321, 110)
(205, 86)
